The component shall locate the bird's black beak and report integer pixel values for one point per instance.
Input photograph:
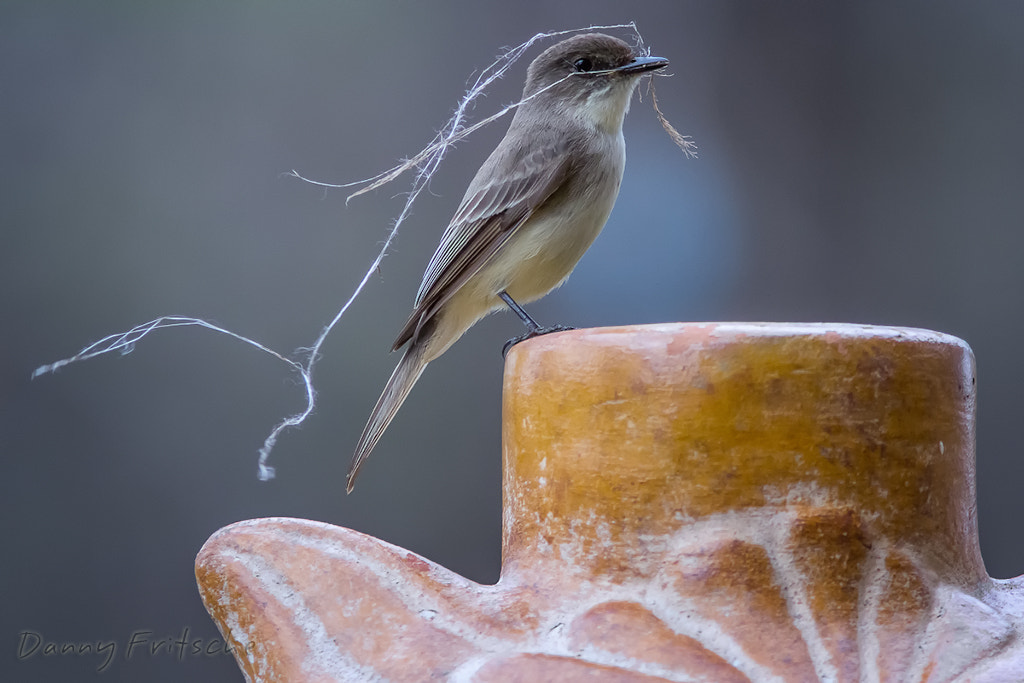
(642, 64)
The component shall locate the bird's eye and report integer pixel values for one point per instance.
(583, 64)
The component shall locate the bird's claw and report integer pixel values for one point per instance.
(531, 334)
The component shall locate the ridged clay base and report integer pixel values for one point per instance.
(686, 502)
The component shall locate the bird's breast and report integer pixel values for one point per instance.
(544, 251)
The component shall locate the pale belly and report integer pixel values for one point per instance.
(539, 257)
(536, 260)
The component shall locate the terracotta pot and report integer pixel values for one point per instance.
(686, 502)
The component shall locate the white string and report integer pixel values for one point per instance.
(426, 161)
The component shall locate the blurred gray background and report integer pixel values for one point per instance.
(860, 162)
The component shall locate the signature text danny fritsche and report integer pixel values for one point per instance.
(141, 643)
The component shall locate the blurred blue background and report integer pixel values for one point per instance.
(859, 162)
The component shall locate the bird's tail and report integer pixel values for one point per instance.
(402, 379)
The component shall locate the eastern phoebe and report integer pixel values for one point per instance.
(532, 209)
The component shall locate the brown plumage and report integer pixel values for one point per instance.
(531, 211)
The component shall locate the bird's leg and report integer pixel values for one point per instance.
(530, 323)
(532, 328)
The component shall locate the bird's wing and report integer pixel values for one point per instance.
(484, 221)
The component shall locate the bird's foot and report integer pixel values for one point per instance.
(531, 334)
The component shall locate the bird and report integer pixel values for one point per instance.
(531, 211)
